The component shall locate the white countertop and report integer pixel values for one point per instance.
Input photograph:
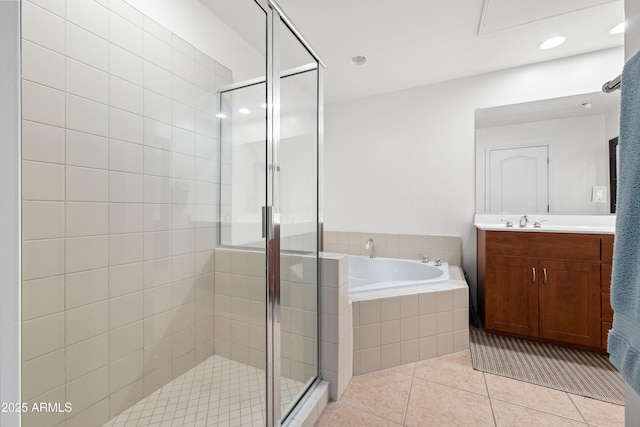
(598, 224)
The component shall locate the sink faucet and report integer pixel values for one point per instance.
(370, 245)
(524, 221)
(424, 257)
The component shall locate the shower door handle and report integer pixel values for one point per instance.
(267, 221)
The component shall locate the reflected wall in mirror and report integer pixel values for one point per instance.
(549, 156)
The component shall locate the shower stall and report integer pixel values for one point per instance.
(170, 212)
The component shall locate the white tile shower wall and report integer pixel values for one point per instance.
(119, 159)
(405, 246)
(393, 331)
(336, 319)
(240, 311)
(240, 306)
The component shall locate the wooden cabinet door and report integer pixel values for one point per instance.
(569, 302)
(511, 295)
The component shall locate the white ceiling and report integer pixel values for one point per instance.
(416, 42)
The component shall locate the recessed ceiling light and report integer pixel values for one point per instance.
(552, 42)
(618, 29)
(221, 116)
(244, 111)
(586, 105)
(358, 60)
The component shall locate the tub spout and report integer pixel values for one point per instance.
(370, 245)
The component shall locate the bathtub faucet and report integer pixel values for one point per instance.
(370, 245)
(424, 257)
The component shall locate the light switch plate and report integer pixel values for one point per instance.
(599, 194)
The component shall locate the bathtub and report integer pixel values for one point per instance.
(404, 311)
(377, 274)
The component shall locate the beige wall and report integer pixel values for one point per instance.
(119, 185)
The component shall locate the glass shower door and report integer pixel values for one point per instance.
(241, 302)
(269, 221)
(297, 175)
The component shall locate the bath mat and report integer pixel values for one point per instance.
(573, 371)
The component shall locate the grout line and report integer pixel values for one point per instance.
(406, 407)
(543, 411)
(456, 388)
(493, 415)
(578, 409)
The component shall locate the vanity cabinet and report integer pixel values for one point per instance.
(511, 301)
(541, 285)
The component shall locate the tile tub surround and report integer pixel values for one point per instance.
(404, 246)
(336, 330)
(119, 204)
(395, 327)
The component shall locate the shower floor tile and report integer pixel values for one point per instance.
(217, 392)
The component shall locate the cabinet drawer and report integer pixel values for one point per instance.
(605, 304)
(607, 249)
(543, 245)
(605, 277)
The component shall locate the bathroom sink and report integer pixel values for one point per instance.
(600, 224)
(549, 228)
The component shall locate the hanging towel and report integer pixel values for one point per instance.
(624, 338)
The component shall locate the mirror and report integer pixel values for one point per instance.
(550, 156)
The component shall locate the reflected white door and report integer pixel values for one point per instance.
(518, 180)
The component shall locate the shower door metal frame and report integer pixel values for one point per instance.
(273, 397)
(10, 211)
(275, 16)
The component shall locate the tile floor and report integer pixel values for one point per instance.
(217, 392)
(446, 391)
